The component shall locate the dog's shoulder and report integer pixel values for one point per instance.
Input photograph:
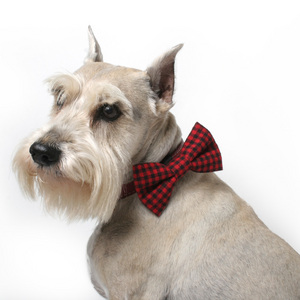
(206, 192)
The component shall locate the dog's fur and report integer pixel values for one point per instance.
(208, 243)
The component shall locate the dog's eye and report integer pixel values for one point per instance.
(108, 113)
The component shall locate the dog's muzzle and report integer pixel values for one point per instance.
(44, 155)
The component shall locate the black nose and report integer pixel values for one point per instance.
(44, 155)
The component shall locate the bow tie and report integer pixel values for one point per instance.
(154, 182)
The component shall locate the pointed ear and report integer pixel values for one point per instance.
(94, 53)
(162, 76)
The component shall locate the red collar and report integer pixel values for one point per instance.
(128, 189)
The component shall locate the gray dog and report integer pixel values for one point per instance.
(169, 228)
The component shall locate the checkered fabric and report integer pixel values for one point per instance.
(154, 182)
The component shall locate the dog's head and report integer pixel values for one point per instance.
(104, 119)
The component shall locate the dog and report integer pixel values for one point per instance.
(110, 132)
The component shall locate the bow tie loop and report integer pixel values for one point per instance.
(180, 165)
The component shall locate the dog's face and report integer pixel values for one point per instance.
(104, 119)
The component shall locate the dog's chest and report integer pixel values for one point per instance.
(123, 254)
(137, 247)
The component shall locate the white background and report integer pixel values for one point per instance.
(238, 74)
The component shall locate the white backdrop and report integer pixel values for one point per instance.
(238, 74)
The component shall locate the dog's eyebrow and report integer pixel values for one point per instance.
(68, 82)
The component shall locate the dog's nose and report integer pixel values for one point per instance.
(44, 155)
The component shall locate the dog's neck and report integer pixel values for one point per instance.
(167, 136)
(165, 146)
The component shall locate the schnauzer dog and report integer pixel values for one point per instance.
(169, 228)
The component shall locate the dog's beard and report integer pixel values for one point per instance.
(86, 183)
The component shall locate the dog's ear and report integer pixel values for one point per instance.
(94, 53)
(162, 76)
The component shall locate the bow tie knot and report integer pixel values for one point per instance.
(154, 182)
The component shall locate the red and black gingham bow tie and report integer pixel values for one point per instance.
(154, 182)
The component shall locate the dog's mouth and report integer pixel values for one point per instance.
(70, 177)
(42, 171)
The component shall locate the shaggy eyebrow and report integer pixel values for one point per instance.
(70, 83)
